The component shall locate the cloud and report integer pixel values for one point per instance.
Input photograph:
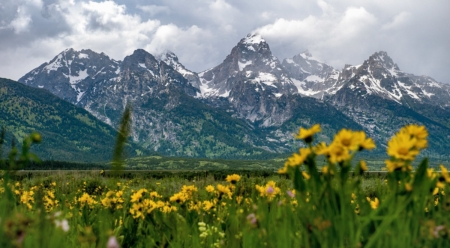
(353, 23)
(320, 34)
(203, 32)
(399, 20)
(21, 22)
(154, 10)
(340, 35)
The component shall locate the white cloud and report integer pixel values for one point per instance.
(399, 20)
(322, 33)
(154, 9)
(21, 22)
(202, 32)
(353, 24)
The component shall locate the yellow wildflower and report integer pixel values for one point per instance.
(210, 189)
(348, 139)
(430, 173)
(307, 134)
(338, 153)
(86, 199)
(363, 165)
(402, 146)
(136, 197)
(270, 190)
(179, 197)
(420, 133)
(298, 158)
(283, 170)
(373, 203)
(321, 149)
(27, 198)
(436, 191)
(136, 210)
(444, 173)
(233, 179)
(208, 205)
(394, 165)
(365, 143)
(224, 190)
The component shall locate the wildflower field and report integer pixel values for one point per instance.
(336, 205)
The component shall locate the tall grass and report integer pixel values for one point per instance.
(305, 206)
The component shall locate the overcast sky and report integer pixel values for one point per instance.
(415, 33)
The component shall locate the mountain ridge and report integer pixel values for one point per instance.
(255, 89)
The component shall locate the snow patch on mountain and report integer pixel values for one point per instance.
(54, 65)
(82, 74)
(408, 90)
(265, 78)
(83, 56)
(253, 39)
(314, 78)
(242, 65)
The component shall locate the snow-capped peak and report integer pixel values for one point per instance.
(167, 56)
(308, 56)
(171, 59)
(253, 38)
(382, 59)
(380, 76)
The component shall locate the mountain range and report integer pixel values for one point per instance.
(249, 105)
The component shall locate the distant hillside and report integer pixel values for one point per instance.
(69, 133)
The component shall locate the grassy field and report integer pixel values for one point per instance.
(324, 195)
(204, 209)
(161, 163)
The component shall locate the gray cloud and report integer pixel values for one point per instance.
(202, 32)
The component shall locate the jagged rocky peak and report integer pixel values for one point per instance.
(381, 65)
(171, 59)
(70, 73)
(310, 76)
(252, 53)
(71, 61)
(252, 80)
(254, 41)
(304, 64)
(305, 55)
(168, 57)
(382, 59)
(380, 76)
(141, 60)
(146, 70)
(253, 45)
